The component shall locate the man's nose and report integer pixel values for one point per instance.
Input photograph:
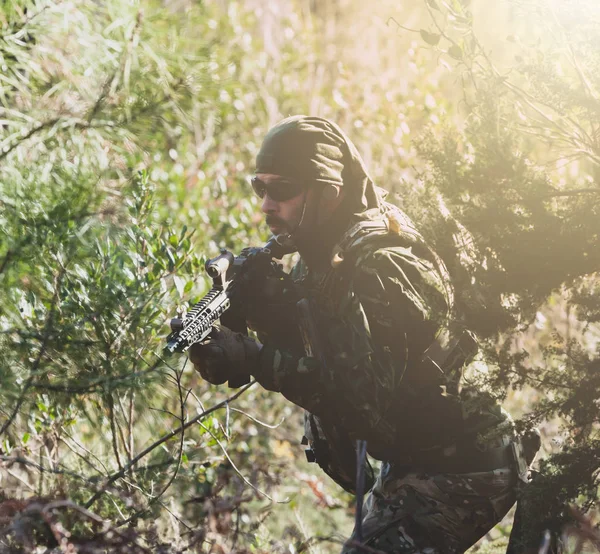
(269, 206)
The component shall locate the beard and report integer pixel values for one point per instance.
(274, 220)
(280, 225)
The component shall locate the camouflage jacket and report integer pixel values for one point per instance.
(377, 314)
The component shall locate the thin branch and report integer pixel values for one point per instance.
(163, 411)
(20, 479)
(5, 261)
(41, 353)
(97, 385)
(244, 478)
(573, 58)
(21, 27)
(106, 527)
(162, 440)
(41, 468)
(123, 414)
(262, 423)
(6, 150)
(130, 423)
(178, 375)
(202, 408)
(578, 131)
(354, 544)
(400, 26)
(88, 452)
(157, 497)
(80, 455)
(113, 431)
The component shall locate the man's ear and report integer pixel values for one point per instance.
(330, 193)
(331, 198)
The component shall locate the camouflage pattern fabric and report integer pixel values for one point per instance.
(335, 453)
(376, 316)
(411, 512)
(376, 319)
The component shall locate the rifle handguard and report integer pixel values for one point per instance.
(225, 271)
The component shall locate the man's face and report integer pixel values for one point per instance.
(286, 204)
(282, 215)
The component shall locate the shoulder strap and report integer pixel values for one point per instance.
(452, 348)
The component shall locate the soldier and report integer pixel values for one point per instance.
(392, 352)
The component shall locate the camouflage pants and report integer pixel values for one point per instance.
(411, 513)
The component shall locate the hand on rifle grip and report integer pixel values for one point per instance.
(224, 354)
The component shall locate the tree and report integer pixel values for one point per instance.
(519, 225)
(89, 265)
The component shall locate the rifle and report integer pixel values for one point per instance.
(231, 277)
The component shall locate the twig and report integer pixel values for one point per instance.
(97, 385)
(5, 261)
(41, 353)
(25, 461)
(202, 408)
(157, 497)
(162, 440)
(20, 479)
(400, 26)
(21, 27)
(244, 478)
(58, 504)
(88, 452)
(352, 543)
(6, 150)
(262, 423)
(126, 442)
(78, 454)
(113, 431)
(573, 58)
(130, 423)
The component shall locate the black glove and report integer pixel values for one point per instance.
(225, 356)
(271, 312)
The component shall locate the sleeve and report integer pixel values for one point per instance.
(390, 313)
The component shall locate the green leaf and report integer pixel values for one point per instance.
(170, 256)
(456, 52)
(430, 38)
(179, 284)
(25, 438)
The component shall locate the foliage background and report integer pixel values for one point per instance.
(127, 134)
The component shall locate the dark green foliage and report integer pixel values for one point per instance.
(520, 226)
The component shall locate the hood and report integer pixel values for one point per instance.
(316, 150)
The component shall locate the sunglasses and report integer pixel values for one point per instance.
(279, 191)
